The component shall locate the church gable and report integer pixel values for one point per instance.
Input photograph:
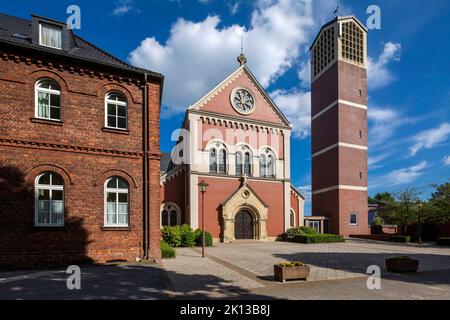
(240, 95)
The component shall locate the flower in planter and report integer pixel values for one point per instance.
(291, 264)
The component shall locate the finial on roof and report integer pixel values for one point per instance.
(336, 12)
(242, 58)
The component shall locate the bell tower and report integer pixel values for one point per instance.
(339, 125)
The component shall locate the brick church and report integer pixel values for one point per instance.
(237, 141)
(82, 178)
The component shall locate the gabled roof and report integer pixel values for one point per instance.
(244, 68)
(333, 21)
(17, 31)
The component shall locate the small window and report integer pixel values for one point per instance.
(48, 100)
(353, 219)
(238, 163)
(116, 111)
(218, 159)
(212, 160)
(314, 224)
(360, 134)
(267, 164)
(116, 202)
(49, 195)
(360, 93)
(170, 216)
(360, 175)
(50, 36)
(292, 219)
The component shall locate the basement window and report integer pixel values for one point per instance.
(50, 36)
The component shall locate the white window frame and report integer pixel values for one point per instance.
(218, 149)
(314, 224)
(105, 204)
(49, 91)
(243, 153)
(292, 218)
(40, 36)
(116, 103)
(350, 219)
(51, 188)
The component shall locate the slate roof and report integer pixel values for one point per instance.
(166, 162)
(18, 31)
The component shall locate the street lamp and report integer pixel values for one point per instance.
(203, 185)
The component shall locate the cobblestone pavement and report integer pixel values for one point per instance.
(244, 270)
(327, 261)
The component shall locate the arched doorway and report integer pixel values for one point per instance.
(244, 225)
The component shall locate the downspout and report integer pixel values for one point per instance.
(146, 233)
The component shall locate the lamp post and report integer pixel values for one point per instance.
(419, 220)
(203, 185)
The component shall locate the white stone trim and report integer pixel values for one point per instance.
(339, 101)
(287, 205)
(340, 187)
(340, 144)
(193, 194)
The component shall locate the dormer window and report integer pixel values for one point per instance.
(50, 36)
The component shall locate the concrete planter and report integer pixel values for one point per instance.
(402, 265)
(283, 273)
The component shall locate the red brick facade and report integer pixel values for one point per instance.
(339, 133)
(83, 153)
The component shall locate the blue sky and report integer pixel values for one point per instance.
(195, 43)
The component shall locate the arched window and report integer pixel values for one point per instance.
(262, 165)
(48, 100)
(212, 160)
(292, 218)
(267, 164)
(49, 195)
(238, 163)
(222, 161)
(247, 164)
(116, 202)
(218, 159)
(116, 111)
(170, 215)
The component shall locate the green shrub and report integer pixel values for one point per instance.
(198, 238)
(179, 236)
(404, 239)
(318, 238)
(308, 230)
(290, 234)
(444, 241)
(166, 250)
(172, 236)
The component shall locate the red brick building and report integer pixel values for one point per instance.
(79, 149)
(339, 126)
(237, 141)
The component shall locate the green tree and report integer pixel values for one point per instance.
(438, 208)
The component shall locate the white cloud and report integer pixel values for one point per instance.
(430, 138)
(377, 71)
(446, 161)
(383, 124)
(306, 191)
(296, 106)
(304, 74)
(400, 176)
(123, 7)
(234, 8)
(198, 55)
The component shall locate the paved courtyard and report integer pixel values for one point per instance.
(243, 270)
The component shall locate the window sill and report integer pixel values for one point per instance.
(48, 228)
(118, 131)
(105, 228)
(47, 121)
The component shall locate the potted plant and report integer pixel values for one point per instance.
(402, 264)
(291, 271)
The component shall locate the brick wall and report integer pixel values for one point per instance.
(82, 152)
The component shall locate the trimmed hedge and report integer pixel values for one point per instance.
(166, 250)
(403, 239)
(444, 241)
(179, 236)
(198, 238)
(318, 238)
(292, 232)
